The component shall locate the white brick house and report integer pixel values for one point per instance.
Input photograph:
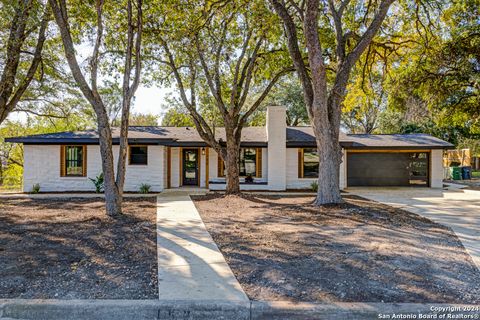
(276, 156)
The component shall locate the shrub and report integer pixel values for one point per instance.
(35, 188)
(98, 182)
(314, 186)
(145, 188)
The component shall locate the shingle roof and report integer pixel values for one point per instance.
(251, 136)
(303, 136)
(145, 134)
(414, 140)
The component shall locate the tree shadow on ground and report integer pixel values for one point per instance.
(70, 249)
(281, 248)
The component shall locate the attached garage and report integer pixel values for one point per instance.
(388, 168)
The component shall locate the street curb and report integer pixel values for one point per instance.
(219, 309)
(123, 309)
(276, 310)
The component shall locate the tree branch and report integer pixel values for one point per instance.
(234, 94)
(37, 57)
(96, 49)
(210, 81)
(295, 53)
(243, 120)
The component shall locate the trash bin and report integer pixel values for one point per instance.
(456, 173)
(467, 173)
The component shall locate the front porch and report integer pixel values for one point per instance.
(201, 167)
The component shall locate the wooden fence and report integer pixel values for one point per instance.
(457, 158)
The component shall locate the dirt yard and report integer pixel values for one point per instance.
(70, 249)
(362, 251)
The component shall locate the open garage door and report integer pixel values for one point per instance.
(387, 169)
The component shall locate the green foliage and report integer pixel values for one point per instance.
(98, 182)
(193, 26)
(469, 143)
(145, 188)
(365, 100)
(11, 157)
(391, 122)
(139, 119)
(35, 188)
(314, 186)
(289, 93)
(434, 84)
(176, 117)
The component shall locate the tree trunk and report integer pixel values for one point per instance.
(328, 171)
(1, 173)
(231, 164)
(129, 91)
(326, 130)
(113, 198)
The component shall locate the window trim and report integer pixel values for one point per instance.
(301, 162)
(130, 152)
(63, 161)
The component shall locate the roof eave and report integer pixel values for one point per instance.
(115, 141)
(89, 141)
(356, 147)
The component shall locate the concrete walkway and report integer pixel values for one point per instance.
(190, 266)
(455, 208)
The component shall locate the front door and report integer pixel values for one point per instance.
(190, 167)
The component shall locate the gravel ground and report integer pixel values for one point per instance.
(70, 249)
(282, 248)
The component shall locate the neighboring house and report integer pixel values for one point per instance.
(277, 156)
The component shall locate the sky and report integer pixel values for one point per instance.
(150, 99)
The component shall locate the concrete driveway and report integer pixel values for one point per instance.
(457, 209)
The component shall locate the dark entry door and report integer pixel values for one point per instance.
(190, 167)
(387, 169)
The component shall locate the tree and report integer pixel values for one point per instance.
(306, 23)
(446, 80)
(132, 61)
(433, 86)
(24, 45)
(225, 57)
(289, 93)
(140, 119)
(365, 101)
(175, 117)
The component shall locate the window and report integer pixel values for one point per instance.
(418, 168)
(73, 161)
(138, 155)
(308, 163)
(250, 163)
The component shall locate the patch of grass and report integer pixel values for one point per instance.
(475, 174)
